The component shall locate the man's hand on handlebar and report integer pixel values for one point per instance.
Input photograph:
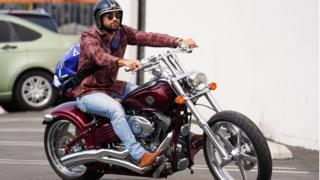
(131, 65)
(189, 42)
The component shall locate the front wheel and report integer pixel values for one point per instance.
(242, 139)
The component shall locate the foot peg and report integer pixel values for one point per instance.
(164, 166)
(160, 159)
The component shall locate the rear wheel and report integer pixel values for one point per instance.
(243, 140)
(57, 135)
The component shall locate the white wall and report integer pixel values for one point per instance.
(262, 54)
(130, 17)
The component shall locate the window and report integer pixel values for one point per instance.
(25, 34)
(5, 35)
(43, 21)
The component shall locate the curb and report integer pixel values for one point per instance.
(2, 111)
(278, 151)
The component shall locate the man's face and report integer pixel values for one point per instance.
(111, 20)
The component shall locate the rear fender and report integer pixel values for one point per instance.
(68, 111)
(72, 113)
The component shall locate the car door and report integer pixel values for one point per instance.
(13, 56)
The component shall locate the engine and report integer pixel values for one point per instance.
(140, 126)
(150, 129)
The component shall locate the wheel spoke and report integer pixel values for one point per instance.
(224, 163)
(238, 144)
(28, 95)
(36, 82)
(43, 85)
(241, 168)
(239, 138)
(248, 157)
(27, 88)
(58, 136)
(225, 141)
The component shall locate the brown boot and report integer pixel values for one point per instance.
(147, 158)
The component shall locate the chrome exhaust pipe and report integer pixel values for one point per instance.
(126, 164)
(104, 156)
(109, 157)
(166, 142)
(83, 157)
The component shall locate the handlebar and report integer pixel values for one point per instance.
(150, 61)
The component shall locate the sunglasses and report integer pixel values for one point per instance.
(111, 15)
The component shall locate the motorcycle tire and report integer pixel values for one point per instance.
(61, 171)
(243, 139)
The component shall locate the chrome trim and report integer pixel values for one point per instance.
(47, 118)
(101, 155)
(109, 157)
(83, 157)
(166, 142)
(185, 130)
(163, 118)
(197, 80)
(146, 127)
(172, 62)
(183, 164)
(204, 125)
(126, 164)
(199, 93)
(213, 102)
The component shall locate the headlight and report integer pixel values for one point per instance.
(197, 80)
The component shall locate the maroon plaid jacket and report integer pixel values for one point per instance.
(96, 54)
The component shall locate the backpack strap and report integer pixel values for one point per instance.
(115, 44)
(82, 75)
(71, 83)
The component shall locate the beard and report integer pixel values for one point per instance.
(114, 26)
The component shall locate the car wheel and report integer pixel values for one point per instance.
(34, 91)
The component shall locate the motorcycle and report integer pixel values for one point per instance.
(160, 114)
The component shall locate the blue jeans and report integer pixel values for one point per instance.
(103, 105)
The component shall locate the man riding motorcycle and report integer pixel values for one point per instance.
(102, 50)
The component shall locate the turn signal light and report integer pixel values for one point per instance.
(180, 100)
(213, 86)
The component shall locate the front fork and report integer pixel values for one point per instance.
(202, 122)
(204, 125)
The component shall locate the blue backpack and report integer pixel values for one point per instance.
(65, 76)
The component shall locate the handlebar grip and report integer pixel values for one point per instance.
(126, 69)
(185, 48)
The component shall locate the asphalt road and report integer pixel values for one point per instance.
(22, 155)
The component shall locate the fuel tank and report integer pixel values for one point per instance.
(152, 96)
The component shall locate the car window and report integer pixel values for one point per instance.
(5, 33)
(24, 33)
(43, 21)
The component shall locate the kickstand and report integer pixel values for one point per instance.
(191, 171)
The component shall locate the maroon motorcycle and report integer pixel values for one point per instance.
(84, 146)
